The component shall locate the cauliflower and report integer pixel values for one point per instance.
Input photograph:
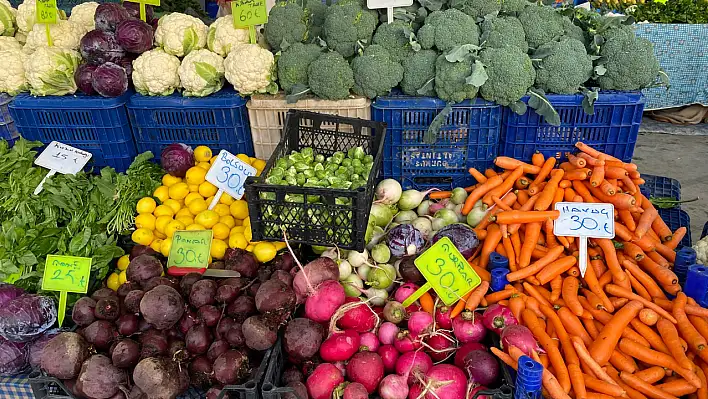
(201, 73)
(330, 76)
(447, 29)
(83, 16)
(251, 69)
(375, 73)
(12, 80)
(9, 43)
(50, 71)
(7, 19)
(156, 73)
(222, 36)
(701, 248)
(64, 34)
(26, 15)
(180, 33)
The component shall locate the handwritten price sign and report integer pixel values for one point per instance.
(584, 220)
(229, 174)
(249, 13)
(66, 274)
(62, 158)
(46, 11)
(190, 249)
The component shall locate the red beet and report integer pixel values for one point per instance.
(463, 350)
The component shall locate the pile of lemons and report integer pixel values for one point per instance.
(118, 278)
(182, 204)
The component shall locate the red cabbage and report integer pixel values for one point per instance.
(110, 80)
(404, 239)
(134, 36)
(462, 237)
(9, 292)
(84, 78)
(25, 318)
(98, 47)
(109, 15)
(13, 358)
(134, 11)
(127, 64)
(176, 158)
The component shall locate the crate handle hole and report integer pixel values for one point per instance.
(267, 386)
(432, 181)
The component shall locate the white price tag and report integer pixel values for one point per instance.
(229, 174)
(584, 220)
(62, 158)
(389, 5)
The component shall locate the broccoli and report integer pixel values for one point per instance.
(510, 7)
(393, 37)
(451, 80)
(541, 24)
(288, 23)
(330, 77)
(510, 74)
(347, 25)
(504, 32)
(419, 73)
(477, 8)
(630, 63)
(564, 66)
(318, 10)
(293, 64)
(573, 31)
(447, 29)
(375, 74)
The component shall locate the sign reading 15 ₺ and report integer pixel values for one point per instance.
(584, 220)
(228, 174)
(62, 158)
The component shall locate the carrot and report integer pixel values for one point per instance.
(508, 200)
(476, 296)
(534, 268)
(645, 221)
(608, 188)
(622, 232)
(479, 192)
(516, 244)
(633, 251)
(516, 305)
(511, 217)
(477, 175)
(691, 309)
(427, 303)
(656, 257)
(616, 290)
(590, 327)
(700, 324)
(595, 395)
(666, 252)
(495, 297)
(648, 334)
(676, 237)
(489, 172)
(618, 302)
(598, 172)
(602, 386)
(630, 392)
(556, 287)
(670, 336)
(504, 358)
(535, 292)
(498, 202)
(702, 373)
(577, 381)
(604, 318)
(558, 197)
(638, 287)
(524, 208)
(440, 194)
(626, 218)
(615, 172)
(645, 388)
(537, 159)
(610, 253)
(662, 275)
(593, 299)
(645, 243)
(629, 185)
(586, 358)
(570, 356)
(623, 362)
(595, 288)
(511, 164)
(648, 317)
(549, 191)
(570, 295)
(605, 279)
(532, 322)
(656, 358)
(602, 347)
(550, 382)
(577, 174)
(678, 387)
(695, 340)
(629, 167)
(556, 268)
(591, 161)
(651, 374)
(482, 273)
(593, 152)
(661, 229)
(577, 161)
(619, 200)
(503, 188)
(494, 236)
(460, 306)
(533, 230)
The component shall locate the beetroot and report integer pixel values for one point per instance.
(474, 389)
(36, 347)
(125, 354)
(405, 343)
(299, 390)
(302, 339)
(100, 334)
(83, 312)
(198, 339)
(481, 367)
(393, 387)
(283, 276)
(128, 324)
(367, 369)
(187, 281)
(200, 371)
(389, 356)
(292, 375)
(141, 250)
(359, 318)
(203, 293)
(189, 319)
(420, 323)
(443, 381)
(323, 380)
(103, 293)
(144, 267)
(107, 309)
(314, 274)
(275, 296)
(442, 346)
(159, 280)
(462, 351)
(520, 337)
(126, 287)
(162, 307)
(99, 378)
(355, 390)
(152, 344)
(368, 341)
(410, 272)
(496, 317)
(442, 318)
(177, 350)
(468, 327)
(241, 261)
(158, 377)
(411, 364)
(321, 305)
(217, 348)
(235, 336)
(223, 327)
(231, 367)
(340, 346)
(284, 262)
(226, 294)
(209, 315)
(242, 308)
(258, 334)
(394, 312)
(131, 302)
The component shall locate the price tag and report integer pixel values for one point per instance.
(584, 220)
(249, 13)
(228, 174)
(190, 248)
(446, 271)
(66, 274)
(389, 5)
(142, 3)
(46, 11)
(62, 158)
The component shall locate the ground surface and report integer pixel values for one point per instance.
(681, 157)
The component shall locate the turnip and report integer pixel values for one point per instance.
(292, 375)
(242, 308)
(404, 217)
(387, 332)
(468, 327)
(405, 343)
(275, 296)
(299, 390)
(413, 363)
(131, 302)
(355, 390)
(442, 318)
(223, 327)
(63, 355)
(323, 303)
(302, 339)
(477, 214)
(377, 297)
(441, 346)
(497, 317)
(143, 268)
(442, 381)
(312, 275)
(393, 387)
(188, 320)
(99, 378)
(520, 337)
(258, 334)
(381, 215)
(327, 252)
(368, 341)
(100, 334)
(217, 348)
(345, 269)
(388, 191)
(436, 206)
(367, 369)
(463, 350)
(389, 357)
(235, 336)
(128, 324)
(323, 381)
(203, 293)
(481, 367)
(424, 225)
(201, 371)
(420, 323)
(226, 293)
(356, 317)
(153, 343)
(381, 276)
(357, 259)
(125, 354)
(340, 346)
(198, 339)
(353, 285)
(158, 378)
(209, 315)
(162, 307)
(241, 261)
(394, 312)
(83, 311)
(363, 271)
(231, 367)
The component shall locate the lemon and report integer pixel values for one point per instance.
(146, 205)
(207, 189)
(195, 175)
(239, 209)
(166, 246)
(207, 218)
(162, 193)
(159, 235)
(228, 220)
(145, 221)
(193, 188)
(191, 197)
(179, 191)
(238, 222)
(197, 206)
(169, 180)
(162, 222)
(218, 248)
(247, 233)
(245, 158)
(113, 282)
(163, 210)
(183, 212)
(174, 226)
(142, 236)
(122, 278)
(247, 222)
(222, 209)
(238, 241)
(123, 262)
(202, 153)
(264, 251)
(204, 165)
(249, 248)
(213, 159)
(195, 226)
(186, 220)
(226, 199)
(259, 164)
(239, 229)
(156, 244)
(209, 200)
(279, 245)
(221, 231)
(174, 205)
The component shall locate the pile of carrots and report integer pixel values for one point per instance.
(613, 332)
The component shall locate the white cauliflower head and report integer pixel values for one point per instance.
(251, 69)
(9, 43)
(701, 248)
(222, 36)
(7, 19)
(156, 73)
(201, 73)
(64, 34)
(12, 80)
(50, 71)
(83, 16)
(178, 34)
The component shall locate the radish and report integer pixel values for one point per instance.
(420, 323)
(443, 381)
(475, 389)
(441, 346)
(442, 318)
(436, 206)
(496, 317)
(468, 327)
(322, 303)
(355, 390)
(389, 356)
(481, 367)
(308, 278)
(394, 312)
(340, 346)
(405, 343)
(404, 291)
(359, 318)
(323, 380)
(368, 341)
(520, 337)
(393, 387)
(464, 350)
(387, 332)
(411, 364)
(367, 369)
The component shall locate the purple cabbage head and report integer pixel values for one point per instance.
(404, 239)
(110, 80)
(99, 47)
(13, 358)
(9, 292)
(25, 318)
(176, 158)
(109, 15)
(134, 10)
(84, 78)
(462, 237)
(127, 64)
(134, 35)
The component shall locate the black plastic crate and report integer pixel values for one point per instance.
(324, 222)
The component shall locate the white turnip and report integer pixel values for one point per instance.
(323, 381)
(99, 378)
(367, 369)
(388, 191)
(231, 367)
(345, 269)
(162, 307)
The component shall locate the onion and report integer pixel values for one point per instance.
(497, 317)
(520, 337)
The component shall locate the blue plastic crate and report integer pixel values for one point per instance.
(468, 138)
(675, 218)
(5, 108)
(219, 121)
(660, 186)
(612, 129)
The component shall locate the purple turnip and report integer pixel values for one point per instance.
(468, 327)
(340, 346)
(389, 357)
(463, 350)
(367, 369)
(497, 317)
(321, 305)
(323, 381)
(481, 367)
(231, 367)
(442, 346)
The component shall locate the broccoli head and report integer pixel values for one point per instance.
(504, 32)
(510, 74)
(513, 7)
(630, 62)
(573, 31)
(330, 77)
(346, 25)
(317, 10)
(563, 66)
(293, 63)
(451, 80)
(288, 22)
(375, 74)
(447, 29)
(541, 24)
(393, 38)
(477, 8)
(419, 73)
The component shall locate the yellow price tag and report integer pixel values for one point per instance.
(446, 271)
(249, 13)
(660, 1)
(46, 11)
(190, 248)
(155, 3)
(66, 274)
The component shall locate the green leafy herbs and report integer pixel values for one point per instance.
(671, 12)
(668, 202)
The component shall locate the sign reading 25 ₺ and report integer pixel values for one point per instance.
(229, 174)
